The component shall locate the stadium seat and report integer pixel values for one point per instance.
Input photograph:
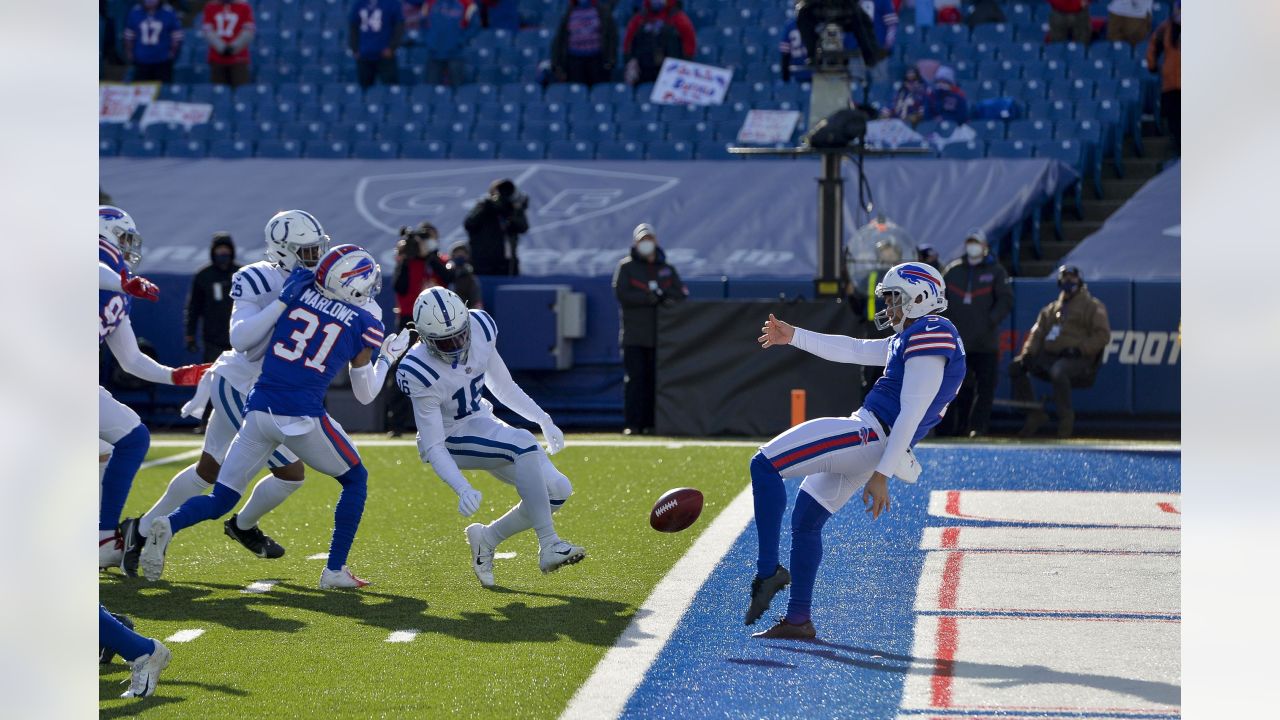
(497, 132)
(1009, 149)
(565, 92)
(545, 131)
(185, 149)
(1060, 110)
(1038, 109)
(641, 131)
(477, 150)
(374, 150)
(286, 148)
(231, 149)
(993, 33)
(1072, 153)
(1021, 52)
(174, 91)
(593, 132)
(673, 150)
(970, 150)
(425, 150)
(690, 130)
(619, 150)
(989, 129)
(108, 147)
(1031, 131)
(571, 150)
(612, 93)
(683, 112)
(521, 150)
(327, 149)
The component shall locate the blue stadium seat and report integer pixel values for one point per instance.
(327, 149)
(185, 148)
(514, 92)
(425, 150)
(1037, 109)
(1059, 110)
(610, 93)
(620, 150)
(474, 93)
(521, 150)
(1009, 149)
(989, 129)
(546, 112)
(108, 147)
(286, 148)
(673, 150)
(985, 88)
(571, 150)
(374, 149)
(593, 132)
(255, 131)
(545, 131)
(137, 146)
(478, 150)
(971, 150)
(713, 150)
(682, 112)
(641, 131)
(1070, 152)
(231, 149)
(690, 130)
(434, 95)
(564, 92)
(174, 91)
(1070, 53)
(993, 33)
(495, 131)
(1031, 131)
(402, 132)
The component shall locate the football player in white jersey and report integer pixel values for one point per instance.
(924, 365)
(445, 375)
(294, 239)
(123, 440)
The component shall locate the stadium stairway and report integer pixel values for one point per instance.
(1116, 191)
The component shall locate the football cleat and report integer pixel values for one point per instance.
(106, 654)
(763, 590)
(110, 550)
(337, 579)
(151, 560)
(786, 631)
(146, 671)
(553, 557)
(132, 541)
(254, 540)
(481, 554)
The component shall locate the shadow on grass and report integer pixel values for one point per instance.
(114, 679)
(589, 621)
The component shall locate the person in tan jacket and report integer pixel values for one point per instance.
(1063, 346)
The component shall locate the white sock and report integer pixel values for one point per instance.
(267, 494)
(504, 527)
(535, 503)
(184, 486)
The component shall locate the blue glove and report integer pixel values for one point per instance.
(298, 281)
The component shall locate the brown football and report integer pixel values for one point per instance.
(676, 510)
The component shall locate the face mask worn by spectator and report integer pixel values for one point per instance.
(974, 250)
(646, 247)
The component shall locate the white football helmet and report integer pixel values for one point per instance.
(349, 273)
(916, 289)
(295, 237)
(116, 227)
(441, 318)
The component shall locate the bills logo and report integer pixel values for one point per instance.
(363, 269)
(110, 213)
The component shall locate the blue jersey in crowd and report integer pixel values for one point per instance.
(449, 26)
(929, 335)
(315, 337)
(155, 35)
(113, 307)
(883, 18)
(376, 21)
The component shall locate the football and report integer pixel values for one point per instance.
(676, 510)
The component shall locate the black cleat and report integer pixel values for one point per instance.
(133, 542)
(106, 654)
(763, 590)
(786, 631)
(254, 540)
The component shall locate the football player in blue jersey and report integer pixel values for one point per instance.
(294, 239)
(327, 320)
(123, 440)
(924, 366)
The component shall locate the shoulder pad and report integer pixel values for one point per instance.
(487, 326)
(255, 280)
(414, 376)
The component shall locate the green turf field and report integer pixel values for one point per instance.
(520, 650)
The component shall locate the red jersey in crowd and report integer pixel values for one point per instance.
(228, 20)
(1069, 6)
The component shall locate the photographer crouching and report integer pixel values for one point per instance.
(419, 265)
(494, 227)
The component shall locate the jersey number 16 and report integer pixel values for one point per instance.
(302, 337)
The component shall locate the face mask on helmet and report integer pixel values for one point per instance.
(453, 348)
(896, 306)
(130, 244)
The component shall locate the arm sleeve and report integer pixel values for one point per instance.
(426, 412)
(921, 378)
(367, 380)
(628, 294)
(124, 346)
(843, 349)
(108, 279)
(1099, 332)
(632, 25)
(251, 324)
(1035, 338)
(688, 38)
(677, 291)
(504, 388)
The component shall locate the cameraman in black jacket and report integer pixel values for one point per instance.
(642, 282)
(494, 227)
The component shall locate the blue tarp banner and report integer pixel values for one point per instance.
(754, 218)
(1142, 240)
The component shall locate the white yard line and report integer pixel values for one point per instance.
(169, 459)
(620, 671)
(259, 587)
(185, 635)
(318, 556)
(402, 636)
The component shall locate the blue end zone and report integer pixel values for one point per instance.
(863, 602)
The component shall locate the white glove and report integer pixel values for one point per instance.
(395, 345)
(555, 438)
(469, 502)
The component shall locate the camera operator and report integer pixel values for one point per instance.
(465, 283)
(419, 265)
(857, 27)
(494, 227)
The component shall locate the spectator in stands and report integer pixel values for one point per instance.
(1129, 20)
(642, 282)
(948, 12)
(946, 99)
(152, 37)
(985, 12)
(928, 255)
(1164, 53)
(464, 281)
(419, 266)
(586, 44)
(449, 24)
(1064, 347)
(1069, 20)
(885, 22)
(376, 30)
(978, 300)
(228, 27)
(494, 227)
(209, 303)
(912, 100)
(794, 62)
(500, 15)
(658, 30)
